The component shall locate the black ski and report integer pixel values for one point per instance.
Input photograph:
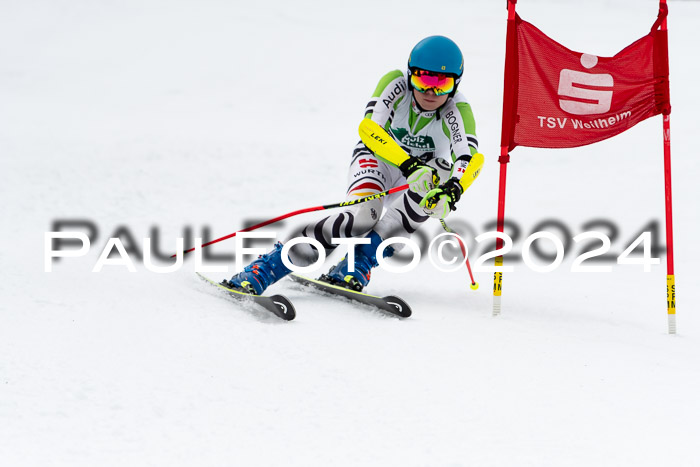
(277, 304)
(390, 304)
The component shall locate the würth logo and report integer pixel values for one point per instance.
(367, 163)
(585, 93)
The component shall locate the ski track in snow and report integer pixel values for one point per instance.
(161, 115)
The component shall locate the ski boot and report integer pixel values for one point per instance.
(365, 260)
(261, 273)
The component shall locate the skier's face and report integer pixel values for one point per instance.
(428, 100)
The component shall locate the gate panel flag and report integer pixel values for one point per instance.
(558, 98)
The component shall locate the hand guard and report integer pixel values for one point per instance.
(421, 178)
(440, 201)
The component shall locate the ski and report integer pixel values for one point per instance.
(277, 304)
(390, 304)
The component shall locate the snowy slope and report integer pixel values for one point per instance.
(176, 115)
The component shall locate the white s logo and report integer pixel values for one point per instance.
(602, 99)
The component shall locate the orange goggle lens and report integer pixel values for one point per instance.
(440, 83)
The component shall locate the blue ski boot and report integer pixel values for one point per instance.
(365, 260)
(261, 273)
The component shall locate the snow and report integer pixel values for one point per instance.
(177, 115)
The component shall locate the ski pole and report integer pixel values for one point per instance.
(303, 211)
(474, 285)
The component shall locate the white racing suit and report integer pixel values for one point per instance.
(444, 139)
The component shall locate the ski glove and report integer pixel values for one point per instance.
(440, 201)
(421, 178)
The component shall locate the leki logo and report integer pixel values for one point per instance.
(584, 93)
(378, 138)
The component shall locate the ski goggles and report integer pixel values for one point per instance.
(424, 81)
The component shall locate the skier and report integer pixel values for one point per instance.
(434, 124)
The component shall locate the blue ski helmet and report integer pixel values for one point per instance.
(439, 54)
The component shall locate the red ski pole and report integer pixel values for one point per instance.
(303, 211)
(474, 285)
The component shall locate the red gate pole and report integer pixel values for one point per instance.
(670, 275)
(509, 96)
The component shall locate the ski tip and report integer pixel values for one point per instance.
(285, 308)
(278, 305)
(401, 308)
